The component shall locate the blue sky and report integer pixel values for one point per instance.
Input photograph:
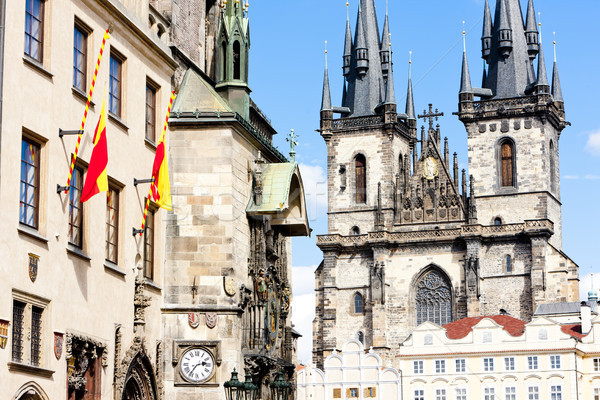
(286, 74)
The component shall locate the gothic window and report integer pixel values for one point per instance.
(498, 221)
(355, 230)
(508, 264)
(223, 62)
(236, 60)
(358, 303)
(360, 167)
(507, 160)
(361, 337)
(434, 299)
(552, 168)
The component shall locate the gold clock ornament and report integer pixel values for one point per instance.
(430, 168)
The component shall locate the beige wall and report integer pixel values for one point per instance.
(84, 296)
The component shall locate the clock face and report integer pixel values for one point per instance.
(196, 365)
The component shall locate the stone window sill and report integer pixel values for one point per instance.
(149, 143)
(152, 285)
(82, 96)
(36, 65)
(118, 121)
(77, 252)
(30, 369)
(112, 267)
(32, 233)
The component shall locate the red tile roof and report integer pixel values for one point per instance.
(461, 328)
(299, 368)
(573, 330)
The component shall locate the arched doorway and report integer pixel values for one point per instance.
(433, 297)
(30, 391)
(140, 383)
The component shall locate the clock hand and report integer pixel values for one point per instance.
(195, 366)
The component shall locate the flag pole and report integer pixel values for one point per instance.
(87, 107)
(153, 184)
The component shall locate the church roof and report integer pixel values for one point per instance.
(196, 94)
(573, 307)
(461, 328)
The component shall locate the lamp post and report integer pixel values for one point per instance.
(250, 389)
(280, 389)
(236, 390)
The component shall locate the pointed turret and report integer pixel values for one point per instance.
(410, 100)
(484, 77)
(347, 46)
(542, 86)
(556, 88)
(386, 50)
(326, 101)
(466, 90)
(531, 31)
(390, 94)
(361, 50)
(505, 33)
(486, 36)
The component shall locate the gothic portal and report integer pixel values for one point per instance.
(411, 237)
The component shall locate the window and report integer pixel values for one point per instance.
(76, 208)
(337, 393)
(511, 393)
(418, 367)
(532, 362)
(555, 362)
(358, 303)
(555, 392)
(440, 394)
(498, 221)
(428, 340)
(509, 363)
(488, 364)
(507, 163)
(355, 230)
(115, 85)
(596, 393)
(508, 264)
(533, 393)
(27, 331)
(30, 183)
(434, 299)
(487, 337)
(149, 246)
(79, 58)
(460, 365)
(34, 29)
(237, 64)
(360, 167)
(440, 366)
(370, 392)
(596, 364)
(552, 168)
(543, 334)
(461, 394)
(419, 394)
(352, 393)
(150, 112)
(361, 337)
(489, 394)
(112, 225)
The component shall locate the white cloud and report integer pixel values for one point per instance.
(303, 309)
(593, 143)
(592, 177)
(315, 188)
(571, 177)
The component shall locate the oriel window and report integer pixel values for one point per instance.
(30, 182)
(149, 246)
(115, 85)
(79, 58)
(112, 225)
(76, 208)
(360, 167)
(34, 28)
(507, 161)
(150, 112)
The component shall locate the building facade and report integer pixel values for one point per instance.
(411, 238)
(80, 304)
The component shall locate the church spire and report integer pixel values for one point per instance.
(347, 44)
(556, 88)
(410, 101)
(466, 90)
(542, 86)
(386, 47)
(326, 101)
(390, 94)
(486, 36)
(505, 41)
(531, 31)
(362, 51)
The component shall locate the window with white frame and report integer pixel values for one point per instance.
(418, 367)
(440, 366)
(555, 362)
(596, 393)
(509, 363)
(461, 365)
(510, 393)
(533, 392)
(596, 364)
(532, 362)
(440, 394)
(419, 394)
(555, 392)
(489, 393)
(461, 393)
(488, 364)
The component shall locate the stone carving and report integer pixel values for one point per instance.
(194, 319)
(140, 302)
(33, 266)
(286, 298)
(58, 344)
(81, 352)
(229, 285)
(211, 319)
(358, 122)
(135, 373)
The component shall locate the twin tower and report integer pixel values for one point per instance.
(410, 237)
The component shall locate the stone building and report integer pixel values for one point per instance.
(80, 299)
(237, 201)
(411, 238)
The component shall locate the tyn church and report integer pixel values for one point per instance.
(410, 237)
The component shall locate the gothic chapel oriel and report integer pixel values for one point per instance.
(412, 239)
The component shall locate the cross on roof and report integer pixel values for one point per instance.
(431, 115)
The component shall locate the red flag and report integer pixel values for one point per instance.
(96, 180)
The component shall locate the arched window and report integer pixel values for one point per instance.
(360, 167)
(358, 303)
(552, 168)
(237, 62)
(498, 221)
(508, 266)
(507, 153)
(434, 299)
(361, 337)
(355, 230)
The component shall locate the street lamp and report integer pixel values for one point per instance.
(250, 389)
(279, 388)
(234, 389)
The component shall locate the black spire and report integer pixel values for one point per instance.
(531, 31)
(542, 86)
(326, 101)
(347, 46)
(410, 101)
(466, 90)
(385, 47)
(556, 88)
(486, 36)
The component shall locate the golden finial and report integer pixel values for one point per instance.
(464, 33)
(410, 57)
(554, 43)
(326, 54)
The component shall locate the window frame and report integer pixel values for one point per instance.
(35, 187)
(360, 179)
(489, 393)
(77, 186)
(418, 367)
(509, 363)
(508, 264)
(462, 362)
(120, 61)
(510, 393)
(85, 31)
(150, 226)
(153, 88)
(507, 179)
(555, 392)
(115, 209)
(440, 394)
(488, 364)
(532, 363)
(555, 361)
(596, 362)
(355, 309)
(418, 394)
(40, 38)
(32, 346)
(533, 394)
(440, 366)
(460, 393)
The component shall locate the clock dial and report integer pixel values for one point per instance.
(196, 365)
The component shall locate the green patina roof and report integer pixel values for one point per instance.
(277, 179)
(198, 95)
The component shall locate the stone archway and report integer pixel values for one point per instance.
(30, 391)
(135, 378)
